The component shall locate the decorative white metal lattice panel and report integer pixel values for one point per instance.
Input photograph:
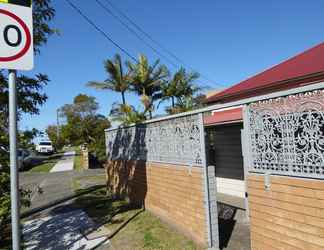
(175, 141)
(286, 135)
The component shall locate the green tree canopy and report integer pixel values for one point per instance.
(53, 133)
(82, 106)
(26, 137)
(82, 124)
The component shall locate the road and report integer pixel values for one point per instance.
(48, 187)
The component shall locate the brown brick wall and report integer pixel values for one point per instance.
(169, 191)
(290, 215)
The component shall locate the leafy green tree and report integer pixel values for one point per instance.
(30, 98)
(30, 95)
(118, 79)
(77, 115)
(97, 146)
(146, 81)
(82, 106)
(26, 138)
(55, 136)
(43, 14)
(83, 124)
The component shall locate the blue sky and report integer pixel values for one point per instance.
(227, 41)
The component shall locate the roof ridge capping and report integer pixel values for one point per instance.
(306, 63)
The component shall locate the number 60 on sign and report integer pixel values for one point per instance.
(16, 35)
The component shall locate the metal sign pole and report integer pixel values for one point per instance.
(14, 180)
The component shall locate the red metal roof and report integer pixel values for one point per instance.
(224, 116)
(307, 64)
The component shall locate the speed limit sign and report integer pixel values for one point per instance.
(16, 35)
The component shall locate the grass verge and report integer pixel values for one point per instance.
(144, 231)
(46, 164)
(148, 232)
(78, 165)
(98, 205)
(44, 167)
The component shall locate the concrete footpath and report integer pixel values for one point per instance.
(61, 228)
(65, 164)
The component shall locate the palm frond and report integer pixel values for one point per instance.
(101, 85)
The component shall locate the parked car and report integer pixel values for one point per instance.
(45, 147)
(3, 150)
(24, 158)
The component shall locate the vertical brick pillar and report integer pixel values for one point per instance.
(85, 158)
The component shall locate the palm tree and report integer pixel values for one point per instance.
(117, 81)
(180, 88)
(126, 114)
(169, 91)
(146, 80)
(188, 103)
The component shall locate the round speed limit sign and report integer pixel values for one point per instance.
(16, 39)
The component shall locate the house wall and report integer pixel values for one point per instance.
(173, 192)
(288, 215)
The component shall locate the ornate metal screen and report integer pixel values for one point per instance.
(286, 135)
(176, 140)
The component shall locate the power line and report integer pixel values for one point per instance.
(134, 32)
(143, 31)
(78, 10)
(154, 40)
(103, 33)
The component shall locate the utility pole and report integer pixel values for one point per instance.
(57, 124)
(14, 181)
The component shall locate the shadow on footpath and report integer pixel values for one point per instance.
(66, 226)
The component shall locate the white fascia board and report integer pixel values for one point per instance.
(225, 109)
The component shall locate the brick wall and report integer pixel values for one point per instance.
(171, 192)
(289, 215)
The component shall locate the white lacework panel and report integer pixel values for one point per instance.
(287, 135)
(173, 141)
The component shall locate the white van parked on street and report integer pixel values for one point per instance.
(45, 147)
